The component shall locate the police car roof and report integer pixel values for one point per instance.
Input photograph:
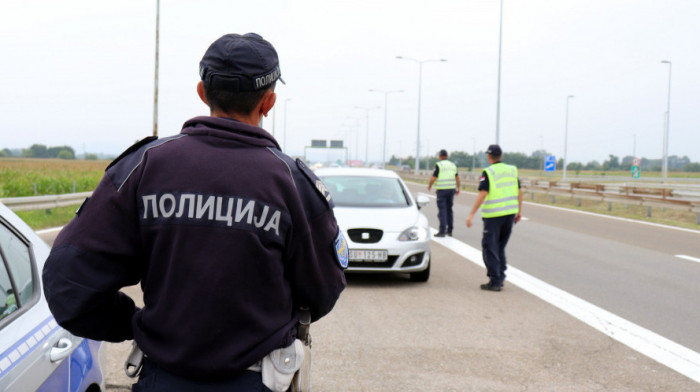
(355, 171)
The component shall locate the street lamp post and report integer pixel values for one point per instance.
(566, 133)
(155, 93)
(284, 139)
(498, 95)
(668, 122)
(386, 99)
(356, 129)
(274, 119)
(367, 109)
(343, 134)
(347, 140)
(542, 150)
(473, 154)
(420, 82)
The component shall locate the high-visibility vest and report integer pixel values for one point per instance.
(446, 175)
(502, 199)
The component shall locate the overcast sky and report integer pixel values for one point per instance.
(81, 73)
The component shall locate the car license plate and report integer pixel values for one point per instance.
(368, 255)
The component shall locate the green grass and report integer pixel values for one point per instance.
(666, 216)
(42, 219)
(21, 177)
(572, 174)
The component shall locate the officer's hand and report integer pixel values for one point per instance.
(457, 193)
(518, 217)
(469, 221)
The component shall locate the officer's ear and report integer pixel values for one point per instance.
(200, 92)
(267, 102)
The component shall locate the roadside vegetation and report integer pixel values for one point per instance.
(661, 215)
(629, 210)
(535, 161)
(610, 175)
(20, 177)
(44, 219)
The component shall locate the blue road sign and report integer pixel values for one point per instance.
(550, 163)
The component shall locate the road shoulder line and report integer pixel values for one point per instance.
(695, 259)
(614, 217)
(671, 354)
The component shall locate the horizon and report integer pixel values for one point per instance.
(621, 159)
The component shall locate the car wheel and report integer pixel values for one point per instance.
(421, 276)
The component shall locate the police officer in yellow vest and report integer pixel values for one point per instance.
(500, 199)
(447, 185)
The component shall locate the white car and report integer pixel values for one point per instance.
(35, 353)
(383, 225)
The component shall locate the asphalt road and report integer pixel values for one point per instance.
(389, 334)
(627, 268)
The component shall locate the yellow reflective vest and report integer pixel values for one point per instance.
(447, 171)
(502, 199)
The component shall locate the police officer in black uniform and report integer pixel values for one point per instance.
(227, 236)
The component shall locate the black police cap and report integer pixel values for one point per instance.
(494, 150)
(240, 63)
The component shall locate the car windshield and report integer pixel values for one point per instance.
(358, 191)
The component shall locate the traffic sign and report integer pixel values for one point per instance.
(635, 169)
(550, 163)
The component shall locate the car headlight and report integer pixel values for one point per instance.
(414, 233)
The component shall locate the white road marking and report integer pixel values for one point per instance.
(695, 259)
(671, 354)
(615, 218)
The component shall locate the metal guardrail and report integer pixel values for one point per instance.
(680, 198)
(44, 202)
(676, 196)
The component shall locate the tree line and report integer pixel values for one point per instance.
(536, 161)
(42, 151)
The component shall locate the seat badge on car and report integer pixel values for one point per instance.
(341, 250)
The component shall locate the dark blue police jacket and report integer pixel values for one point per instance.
(227, 236)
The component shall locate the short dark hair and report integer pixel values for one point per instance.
(233, 102)
(494, 156)
(443, 153)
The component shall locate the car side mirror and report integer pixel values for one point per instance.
(421, 201)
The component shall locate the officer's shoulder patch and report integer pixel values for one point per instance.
(342, 253)
(316, 182)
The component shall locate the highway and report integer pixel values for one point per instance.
(628, 268)
(387, 333)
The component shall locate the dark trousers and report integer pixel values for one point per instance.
(155, 379)
(496, 234)
(445, 199)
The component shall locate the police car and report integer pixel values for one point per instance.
(35, 353)
(383, 225)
